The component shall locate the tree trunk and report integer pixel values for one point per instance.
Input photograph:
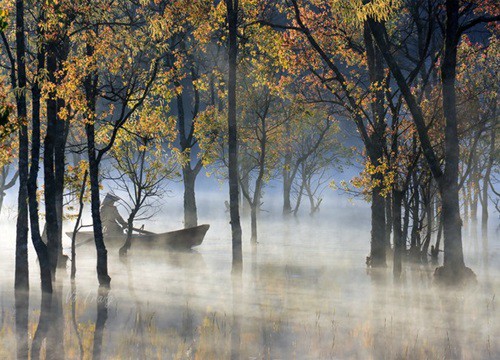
(36, 238)
(415, 228)
(453, 255)
(378, 248)
(397, 198)
(48, 163)
(77, 226)
(90, 84)
(466, 196)
(474, 188)
(21, 281)
(232, 18)
(190, 210)
(253, 222)
(244, 187)
(429, 211)
(486, 184)
(102, 253)
(299, 197)
(388, 223)
(375, 150)
(452, 224)
(287, 204)
(429, 215)
(60, 167)
(287, 181)
(435, 249)
(4, 184)
(62, 130)
(130, 228)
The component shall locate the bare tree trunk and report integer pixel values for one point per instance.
(287, 181)
(232, 18)
(102, 253)
(130, 228)
(287, 205)
(435, 249)
(474, 188)
(486, 184)
(190, 210)
(429, 215)
(6, 184)
(378, 248)
(253, 222)
(299, 199)
(244, 186)
(388, 223)
(77, 226)
(466, 196)
(406, 221)
(21, 281)
(397, 198)
(415, 228)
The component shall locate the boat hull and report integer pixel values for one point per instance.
(183, 239)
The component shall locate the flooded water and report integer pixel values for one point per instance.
(304, 293)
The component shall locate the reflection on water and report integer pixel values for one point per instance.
(304, 293)
(21, 323)
(102, 317)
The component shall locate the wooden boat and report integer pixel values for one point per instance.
(183, 239)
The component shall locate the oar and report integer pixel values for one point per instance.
(141, 231)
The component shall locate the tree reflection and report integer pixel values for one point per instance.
(102, 317)
(21, 305)
(49, 328)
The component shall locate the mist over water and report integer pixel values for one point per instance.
(305, 293)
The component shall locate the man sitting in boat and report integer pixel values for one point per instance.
(112, 222)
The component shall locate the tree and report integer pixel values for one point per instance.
(44, 258)
(7, 128)
(143, 168)
(5, 182)
(328, 42)
(232, 8)
(186, 47)
(312, 149)
(454, 268)
(21, 274)
(262, 120)
(109, 75)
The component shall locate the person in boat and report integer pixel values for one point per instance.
(112, 222)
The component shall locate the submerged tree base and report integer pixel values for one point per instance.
(372, 262)
(445, 275)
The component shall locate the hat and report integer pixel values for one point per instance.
(111, 198)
